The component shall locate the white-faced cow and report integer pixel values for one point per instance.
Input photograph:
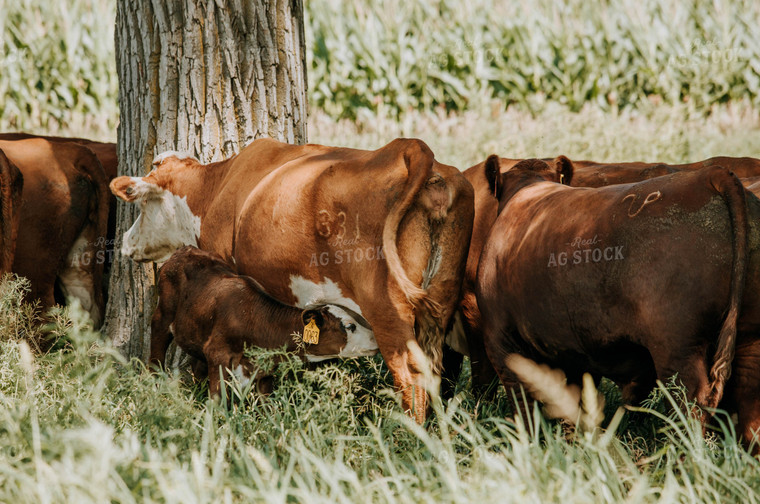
(214, 315)
(635, 282)
(382, 234)
(62, 218)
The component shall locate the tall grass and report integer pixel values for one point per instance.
(84, 425)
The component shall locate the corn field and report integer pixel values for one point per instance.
(394, 55)
(388, 57)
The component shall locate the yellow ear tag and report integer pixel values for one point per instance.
(311, 333)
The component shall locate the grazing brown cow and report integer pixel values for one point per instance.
(469, 340)
(635, 282)
(214, 314)
(106, 154)
(62, 215)
(381, 233)
(11, 185)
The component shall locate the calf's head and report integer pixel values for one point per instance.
(166, 222)
(526, 172)
(341, 334)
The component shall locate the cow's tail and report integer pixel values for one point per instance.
(419, 161)
(732, 191)
(582, 407)
(11, 185)
(95, 227)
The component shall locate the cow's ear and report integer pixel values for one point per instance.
(493, 175)
(314, 314)
(131, 188)
(124, 188)
(565, 170)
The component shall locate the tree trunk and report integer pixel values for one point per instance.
(200, 77)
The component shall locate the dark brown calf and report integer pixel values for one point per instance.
(214, 314)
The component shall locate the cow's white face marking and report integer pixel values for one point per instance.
(240, 376)
(164, 225)
(360, 341)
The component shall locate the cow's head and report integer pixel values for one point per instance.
(166, 222)
(528, 171)
(341, 334)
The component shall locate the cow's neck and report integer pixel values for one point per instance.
(516, 184)
(197, 184)
(281, 321)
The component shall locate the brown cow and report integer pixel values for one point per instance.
(635, 282)
(106, 154)
(381, 233)
(11, 186)
(62, 215)
(214, 314)
(469, 340)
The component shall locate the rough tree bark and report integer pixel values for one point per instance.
(200, 77)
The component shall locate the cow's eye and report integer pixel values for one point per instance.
(351, 327)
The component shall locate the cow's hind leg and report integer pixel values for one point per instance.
(500, 342)
(745, 391)
(79, 278)
(691, 367)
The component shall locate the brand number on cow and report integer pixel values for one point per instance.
(337, 226)
(311, 333)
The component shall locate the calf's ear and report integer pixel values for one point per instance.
(313, 314)
(565, 170)
(493, 175)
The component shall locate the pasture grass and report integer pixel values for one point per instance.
(82, 424)
(663, 133)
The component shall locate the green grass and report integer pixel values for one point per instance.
(81, 424)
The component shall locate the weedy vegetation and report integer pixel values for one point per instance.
(82, 424)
